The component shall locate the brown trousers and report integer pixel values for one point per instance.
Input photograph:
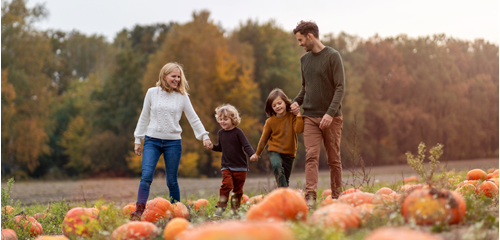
(231, 181)
(313, 137)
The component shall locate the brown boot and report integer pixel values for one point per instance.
(139, 210)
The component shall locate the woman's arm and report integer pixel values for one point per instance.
(142, 124)
(195, 122)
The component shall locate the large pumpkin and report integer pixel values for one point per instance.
(135, 230)
(391, 233)
(477, 174)
(29, 224)
(9, 234)
(55, 237)
(338, 215)
(357, 198)
(280, 204)
(180, 210)
(429, 206)
(80, 222)
(230, 230)
(174, 228)
(488, 188)
(158, 208)
(457, 214)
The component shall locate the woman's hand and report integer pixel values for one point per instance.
(254, 157)
(138, 149)
(208, 144)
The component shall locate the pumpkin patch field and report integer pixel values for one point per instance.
(442, 205)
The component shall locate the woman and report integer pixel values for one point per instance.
(159, 127)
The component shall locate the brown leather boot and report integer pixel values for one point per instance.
(139, 210)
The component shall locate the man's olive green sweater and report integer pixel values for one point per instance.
(323, 83)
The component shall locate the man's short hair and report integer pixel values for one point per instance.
(304, 28)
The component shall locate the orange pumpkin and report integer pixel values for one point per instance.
(477, 174)
(357, 198)
(411, 179)
(326, 193)
(385, 190)
(79, 222)
(244, 198)
(128, 209)
(464, 188)
(280, 204)
(487, 188)
(338, 215)
(52, 237)
(489, 176)
(350, 190)
(158, 208)
(386, 199)
(429, 206)
(409, 187)
(491, 170)
(328, 200)
(495, 180)
(135, 230)
(201, 203)
(29, 224)
(365, 210)
(175, 228)
(180, 210)
(9, 234)
(240, 230)
(7, 209)
(457, 214)
(255, 199)
(391, 233)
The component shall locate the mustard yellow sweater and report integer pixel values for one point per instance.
(281, 134)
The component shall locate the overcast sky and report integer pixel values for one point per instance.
(467, 20)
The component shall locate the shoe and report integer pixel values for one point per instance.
(310, 200)
(219, 211)
(139, 210)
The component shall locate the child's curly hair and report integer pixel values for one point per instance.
(229, 111)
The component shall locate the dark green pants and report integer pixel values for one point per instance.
(282, 168)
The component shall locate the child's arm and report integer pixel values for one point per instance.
(298, 124)
(217, 147)
(245, 144)
(264, 138)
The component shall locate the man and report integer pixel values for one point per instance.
(323, 85)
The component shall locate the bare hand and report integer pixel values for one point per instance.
(137, 149)
(295, 108)
(207, 144)
(254, 157)
(325, 122)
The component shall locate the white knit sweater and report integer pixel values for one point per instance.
(161, 114)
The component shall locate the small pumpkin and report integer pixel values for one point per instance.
(80, 222)
(457, 214)
(9, 234)
(7, 210)
(338, 215)
(464, 188)
(158, 208)
(175, 228)
(280, 204)
(477, 174)
(411, 179)
(357, 198)
(52, 237)
(135, 230)
(255, 199)
(326, 193)
(328, 200)
(488, 188)
(392, 233)
(244, 198)
(384, 190)
(350, 190)
(29, 224)
(201, 204)
(252, 230)
(429, 206)
(128, 209)
(180, 211)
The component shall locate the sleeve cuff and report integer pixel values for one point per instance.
(205, 137)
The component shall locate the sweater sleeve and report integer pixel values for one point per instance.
(142, 124)
(264, 138)
(195, 122)
(298, 124)
(246, 145)
(300, 97)
(217, 147)
(338, 83)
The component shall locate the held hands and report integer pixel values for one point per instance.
(295, 108)
(325, 121)
(207, 144)
(137, 149)
(254, 157)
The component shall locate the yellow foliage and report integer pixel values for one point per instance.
(189, 165)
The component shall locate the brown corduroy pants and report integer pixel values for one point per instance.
(313, 137)
(231, 181)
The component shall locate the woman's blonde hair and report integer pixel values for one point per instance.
(167, 69)
(229, 111)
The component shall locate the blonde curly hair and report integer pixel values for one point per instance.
(227, 110)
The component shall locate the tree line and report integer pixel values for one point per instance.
(70, 101)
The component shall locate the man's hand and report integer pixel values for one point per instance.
(295, 108)
(325, 122)
(208, 144)
(137, 149)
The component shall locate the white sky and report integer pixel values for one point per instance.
(466, 20)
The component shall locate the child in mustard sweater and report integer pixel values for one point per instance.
(280, 132)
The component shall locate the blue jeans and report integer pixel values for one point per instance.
(153, 148)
